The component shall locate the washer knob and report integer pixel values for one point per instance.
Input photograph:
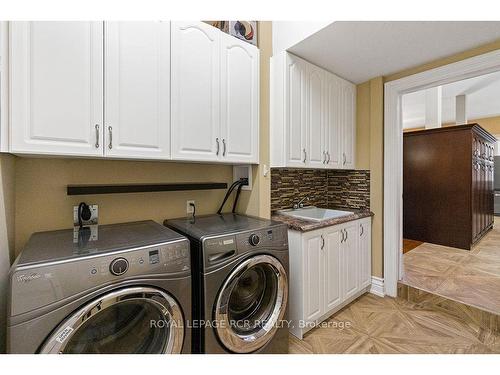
(118, 266)
(254, 240)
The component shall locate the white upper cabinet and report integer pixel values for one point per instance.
(133, 90)
(239, 100)
(333, 122)
(295, 112)
(348, 125)
(195, 91)
(56, 81)
(313, 122)
(137, 90)
(316, 153)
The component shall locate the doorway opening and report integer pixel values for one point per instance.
(393, 150)
(451, 246)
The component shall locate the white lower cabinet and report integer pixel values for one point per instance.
(329, 268)
(365, 251)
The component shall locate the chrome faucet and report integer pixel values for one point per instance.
(299, 204)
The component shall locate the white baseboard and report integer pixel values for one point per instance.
(377, 286)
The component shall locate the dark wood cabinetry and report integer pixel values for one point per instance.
(448, 191)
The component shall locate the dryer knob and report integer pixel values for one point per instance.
(118, 266)
(254, 240)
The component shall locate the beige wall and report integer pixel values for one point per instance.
(490, 124)
(7, 191)
(258, 202)
(369, 155)
(370, 111)
(445, 61)
(42, 203)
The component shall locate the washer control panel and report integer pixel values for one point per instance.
(49, 283)
(118, 266)
(275, 237)
(254, 239)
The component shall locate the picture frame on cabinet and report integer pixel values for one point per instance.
(221, 25)
(244, 30)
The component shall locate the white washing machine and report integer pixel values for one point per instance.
(127, 291)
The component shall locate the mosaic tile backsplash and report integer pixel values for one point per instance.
(325, 188)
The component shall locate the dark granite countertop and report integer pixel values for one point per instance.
(308, 225)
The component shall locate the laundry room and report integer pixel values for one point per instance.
(197, 187)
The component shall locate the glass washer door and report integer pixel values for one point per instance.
(125, 321)
(251, 304)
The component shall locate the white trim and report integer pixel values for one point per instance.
(4, 86)
(393, 147)
(377, 286)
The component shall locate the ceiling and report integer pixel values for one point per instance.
(361, 50)
(483, 100)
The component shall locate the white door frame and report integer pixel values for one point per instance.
(393, 148)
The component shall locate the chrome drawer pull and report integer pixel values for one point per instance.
(96, 135)
(110, 129)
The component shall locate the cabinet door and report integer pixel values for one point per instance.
(195, 80)
(333, 124)
(316, 152)
(295, 112)
(333, 268)
(137, 97)
(365, 253)
(348, 124)
(313, 276)
(239, 100)
(56, 80)
(350, 256)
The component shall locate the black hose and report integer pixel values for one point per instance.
(237, 196)
(229, 191)
(239, 183)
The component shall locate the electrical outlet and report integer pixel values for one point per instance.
(94, 211)
(189, 208)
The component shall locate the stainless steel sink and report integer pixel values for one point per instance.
(314, 213)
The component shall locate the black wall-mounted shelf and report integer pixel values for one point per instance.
(141, 188)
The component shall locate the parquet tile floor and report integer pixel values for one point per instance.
(469, 277)
(386, 325)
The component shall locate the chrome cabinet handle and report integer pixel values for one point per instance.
(218, 147)
(324, 157)
(342, 238)
(322, 242)
(328, 161)
(344, 158)
(362, 229)
(224, 147)
(110, 129)
(346, 234)
(96, 135)
(305, 155)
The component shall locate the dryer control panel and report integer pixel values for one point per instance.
(45, 284)
(272, 238)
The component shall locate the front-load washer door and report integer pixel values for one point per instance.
(251, 304)
(126, 321)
